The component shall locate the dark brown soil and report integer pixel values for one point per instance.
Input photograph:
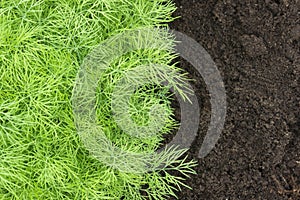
(255, 45)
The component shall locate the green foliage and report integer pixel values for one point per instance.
(42, 44)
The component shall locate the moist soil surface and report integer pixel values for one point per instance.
(255, 45)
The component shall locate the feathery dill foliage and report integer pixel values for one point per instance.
(42, 44)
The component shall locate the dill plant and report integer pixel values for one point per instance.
(42, 45)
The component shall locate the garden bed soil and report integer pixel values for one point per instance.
(255, 45)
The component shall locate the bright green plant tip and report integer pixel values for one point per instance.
(42, 45)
